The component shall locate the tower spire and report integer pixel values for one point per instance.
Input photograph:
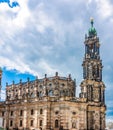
(92, 68)
(92, 21)
(0, 81)
(92, 87)
(92, 31)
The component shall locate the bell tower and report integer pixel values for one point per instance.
(0, 82)
(92, 65)
(92, 86)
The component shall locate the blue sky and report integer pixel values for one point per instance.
(45, 36)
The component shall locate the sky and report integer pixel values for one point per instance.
(39, 37)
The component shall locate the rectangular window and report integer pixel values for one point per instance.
(41, 111)
(21, 112)
(11, 123)
(3, 113)
(32, 112)
(40, 122)
(31, 122)
(11, 113)
(20, 123)
(56, 123)
(3, 122)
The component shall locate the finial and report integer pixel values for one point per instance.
(6, 84)
(20, 81)
(45, 75)
(85, 36)
(36, 77)
(92, 31)
(69, 76)
(0, 69)
(75, 81)
(28, 79)
(56, 73)
(92, 21)
(13, 82)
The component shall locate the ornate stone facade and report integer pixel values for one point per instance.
(51, 103)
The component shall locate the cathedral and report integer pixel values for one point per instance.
(51, 103)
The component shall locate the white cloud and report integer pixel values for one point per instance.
(105, 8)
(16, 64)
(13, 19)
(48, 69)
(109, 119)
(23, 14)
(43, 21)
(3, 95)
(20, 42)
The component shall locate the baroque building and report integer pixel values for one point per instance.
(51, 103)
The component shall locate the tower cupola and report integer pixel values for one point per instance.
(92, 31)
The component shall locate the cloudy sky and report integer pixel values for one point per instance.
(45, 36)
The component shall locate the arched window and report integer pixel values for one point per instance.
(32, 95)
(66, 92)
(74, 124)
(50, 93)
(56, 123)
(40, 86)
(62, 93)
(40, 94)
(41, 111)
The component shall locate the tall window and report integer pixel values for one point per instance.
(20, 122)
(31, 122)
(21, 112)
(41, 111)
(11, 113)
(90, 94)
(32, 112)
(50, 93)
(3, 123)
(56, 123)
(11, 123)
(74, 124)
(3, 113)
(40, 122)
